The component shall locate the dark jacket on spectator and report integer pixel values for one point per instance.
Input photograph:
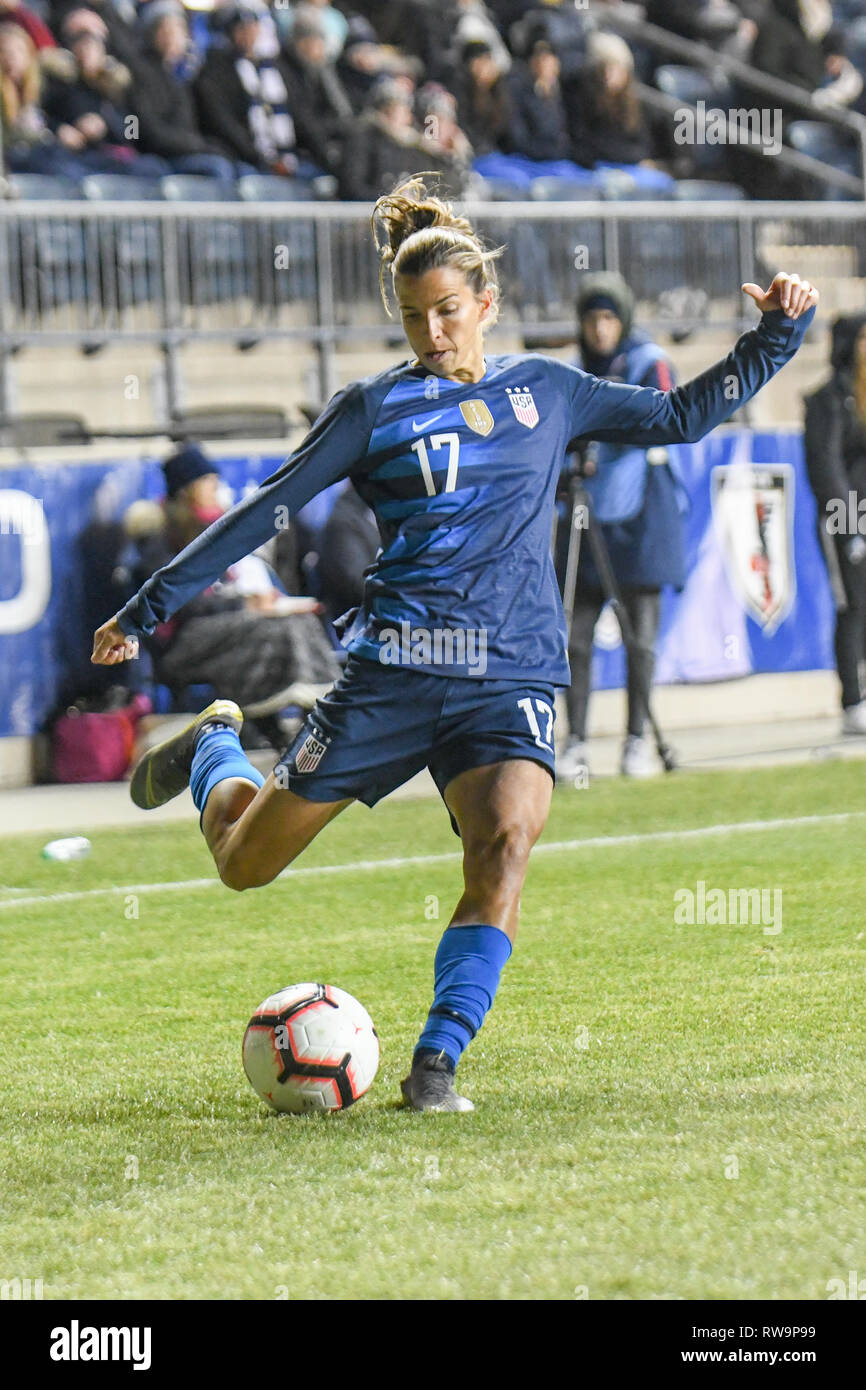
(223, 109)
(67, 97)
(348, 544)
(598, 134)
(835, 436)
(319, 103)
(537, 127)
(374, 161)
(783, 50)
(484, 116)
(168, 121)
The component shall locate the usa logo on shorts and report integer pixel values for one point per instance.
(524, 406)
(311, 752)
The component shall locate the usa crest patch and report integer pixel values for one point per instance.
(523, 405)
(311, 752)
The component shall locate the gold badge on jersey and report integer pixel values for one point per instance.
(477, 416)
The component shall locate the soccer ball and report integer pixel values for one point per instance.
(311, 1047)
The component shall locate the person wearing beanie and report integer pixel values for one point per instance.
(161, 96)
(315, 88)
(241, 633)
(334, 25)
(637, 500)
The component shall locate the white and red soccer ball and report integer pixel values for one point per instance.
(311, 1047)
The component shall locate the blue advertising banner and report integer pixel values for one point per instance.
(757, 597)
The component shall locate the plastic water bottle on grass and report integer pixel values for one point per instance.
(74, 847)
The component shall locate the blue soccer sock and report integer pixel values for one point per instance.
(466, 971)
(218, 755)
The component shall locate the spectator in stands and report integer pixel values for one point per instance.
(386, 146)
(237, 635)
(637, 498)
(797, 43)
(607, 122)
(334, 24)
(86, 102)
(163, 100)
(29, 145)
(437, 115)
(315, 87)
(483, 99)
(348, 543)
(102, 17)
(835, 443)
(364, 62)
(436, 32)
(243, 102)
(13, 12)
(538, 126)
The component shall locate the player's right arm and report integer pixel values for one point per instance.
(613, 413)
(335, 444)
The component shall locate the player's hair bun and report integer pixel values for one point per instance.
(415, 231)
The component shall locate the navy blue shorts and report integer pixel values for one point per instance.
(380, 725)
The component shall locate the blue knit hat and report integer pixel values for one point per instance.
(185, 466)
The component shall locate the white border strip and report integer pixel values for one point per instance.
(365, 865)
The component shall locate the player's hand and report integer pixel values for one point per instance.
(787, 292)
(111, 645)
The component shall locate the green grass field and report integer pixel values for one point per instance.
(663, 1110)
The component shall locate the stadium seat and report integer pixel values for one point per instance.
(707, 191)
(831, 146)
(42, 188)
(36, 431)
(565, 191)
(855, 41)
(692, 84)
(120, 188)
(231, 422)
(270, 188)
(501, 191)
(196, 188)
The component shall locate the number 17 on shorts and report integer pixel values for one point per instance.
(539, 717)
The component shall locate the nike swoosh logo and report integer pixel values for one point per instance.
(424, 423)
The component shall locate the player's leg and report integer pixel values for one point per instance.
(253, 827)
(253, 833)
(500, 810)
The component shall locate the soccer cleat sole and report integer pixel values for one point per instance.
(163, 772)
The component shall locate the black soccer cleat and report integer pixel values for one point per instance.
(430, 1085)
(164, 771)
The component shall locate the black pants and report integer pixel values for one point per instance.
(642, 607)
(850, 636)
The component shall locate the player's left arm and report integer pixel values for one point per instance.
(617, 414)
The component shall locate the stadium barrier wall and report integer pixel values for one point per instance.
(757, 598)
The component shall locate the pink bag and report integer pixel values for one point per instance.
(91, 747)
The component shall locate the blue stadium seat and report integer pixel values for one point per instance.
(825, 142)
(855, 40)
(196, 188)
(692, 84)
(42, 188)
(120, 188)
(707, 191)
(501, 191)
(564, 191)
(270, 188)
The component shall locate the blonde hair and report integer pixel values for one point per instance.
(415, 231)
(15, 99)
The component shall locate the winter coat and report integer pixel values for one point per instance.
(835, 436)
(166, 109)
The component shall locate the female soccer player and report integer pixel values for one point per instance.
(460, 642)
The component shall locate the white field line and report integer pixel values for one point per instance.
(363, 865)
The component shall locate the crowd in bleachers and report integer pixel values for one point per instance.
(345, 98)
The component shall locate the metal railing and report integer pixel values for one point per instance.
(87, 275)
(750, 79)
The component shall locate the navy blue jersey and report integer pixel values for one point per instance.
(462, 479)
